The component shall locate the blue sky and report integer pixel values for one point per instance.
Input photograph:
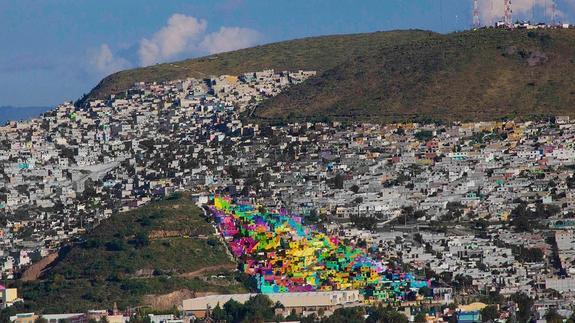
(56, 50)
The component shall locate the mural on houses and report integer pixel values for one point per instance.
(285, 255)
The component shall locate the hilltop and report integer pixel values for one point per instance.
(399, 75)
(315, 53)
(474, 75)
(135, 258)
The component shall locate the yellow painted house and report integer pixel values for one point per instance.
(8, 296)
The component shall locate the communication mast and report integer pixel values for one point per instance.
(553, 13)
(508, 19)
(476, 20)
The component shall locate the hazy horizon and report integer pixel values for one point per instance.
(12, 113)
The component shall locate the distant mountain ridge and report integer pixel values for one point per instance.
(399, 75)
(9, 113)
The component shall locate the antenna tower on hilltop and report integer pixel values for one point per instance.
(507, 18)
(553, 13)
(476, 20)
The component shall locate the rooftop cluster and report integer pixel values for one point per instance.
(287, 256)
(479, 205)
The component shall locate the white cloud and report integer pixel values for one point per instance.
(187, 35)
(493, 10)
(176, 37)
(228, 39)
(104, 62)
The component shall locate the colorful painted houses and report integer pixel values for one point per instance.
(285, 255)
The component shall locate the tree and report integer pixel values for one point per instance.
(418, 238)
(523, 219)
(338, 181)
(140, 318)
(553, 317)
(480, 224)
(348, 314)
(419, 214)
(522, 224)
(385, 314)
(425, 291)
(446, 276)
(464, 281)
(494, 297)
(115, 245)
(292, 316)
(312, 318)
(218, 314)
(553, 293)
(407, 214)
(454, 211)
(234, 310)
(7, 312)
(420, 317)
(141, 240)
(89, 188)
(423, 135)
(259, 306)
(234, 172)
(313, 216)
(257, 309)
(40, 319)
(525, 304)
(529, 254)
(489, 313)
(363, 222)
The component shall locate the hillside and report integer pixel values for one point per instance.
(316, 53)
(474, 75)
(401, 75)
(159, 249)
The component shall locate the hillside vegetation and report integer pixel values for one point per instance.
(474, 75)
(161, 248)
(400, 75)
(316, 53)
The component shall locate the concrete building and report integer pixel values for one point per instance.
(7, 296)
(300, 302)
(560, 285)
